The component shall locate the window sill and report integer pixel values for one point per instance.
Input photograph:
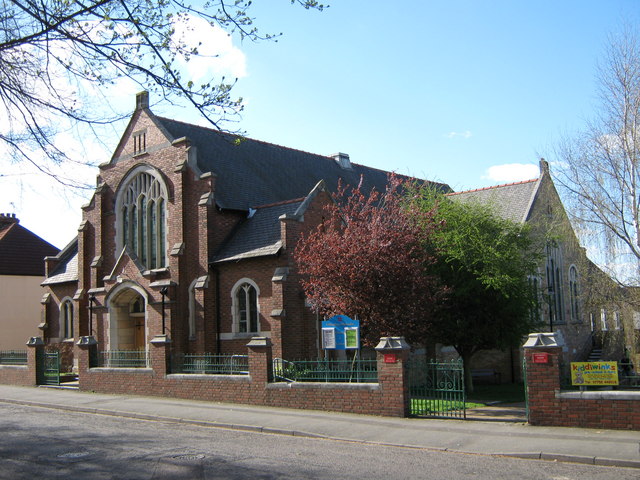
(245, 336)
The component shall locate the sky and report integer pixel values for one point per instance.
(467, 93)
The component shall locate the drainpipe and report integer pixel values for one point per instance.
(92, 300)
(163, 292)
(218, 345)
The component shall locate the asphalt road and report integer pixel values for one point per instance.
(40, 443)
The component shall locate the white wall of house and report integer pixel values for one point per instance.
(19, 310)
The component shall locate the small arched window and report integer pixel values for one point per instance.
(245, 307)
(574, 294)
(66, 319)
(137, 305)
(141, 222)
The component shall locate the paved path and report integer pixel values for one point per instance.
(514, 412)
(599, 447)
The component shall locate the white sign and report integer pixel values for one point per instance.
(329, 337)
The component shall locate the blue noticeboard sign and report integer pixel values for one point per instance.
(340, 333)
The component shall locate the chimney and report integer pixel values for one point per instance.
(544, 167)
(343, 160)
(142, 100)
(8, 218)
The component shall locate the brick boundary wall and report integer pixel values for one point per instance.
(388, 397)
(23, 375)
(549, 406)
(16, 375)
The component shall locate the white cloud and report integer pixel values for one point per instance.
(217, 56)
(465, 135)
(44, 206)
(512, 172)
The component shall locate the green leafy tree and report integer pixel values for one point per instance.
(55, 54)
(485, 262)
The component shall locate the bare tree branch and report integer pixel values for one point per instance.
(600, 167)
(55, 53)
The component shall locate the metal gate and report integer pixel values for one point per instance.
(48, 368)
(436, 389)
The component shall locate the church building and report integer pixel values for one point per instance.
(190, 234)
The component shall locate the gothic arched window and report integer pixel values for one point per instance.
(66, 319)
(141, 211)
(245, 307)
(574, 294)
(554, 284)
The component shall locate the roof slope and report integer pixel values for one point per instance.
(22, 252)
(67, 268)
(252, 173)
(512, 201)
(258, 235)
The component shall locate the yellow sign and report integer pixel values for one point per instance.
(594, 373)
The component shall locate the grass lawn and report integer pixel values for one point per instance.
(427, 405)
(483, 394)
(503, 393)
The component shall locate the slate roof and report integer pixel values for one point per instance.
(511, 201)
(252, 173)
(22, 252)
(67, 268)
(258, 235)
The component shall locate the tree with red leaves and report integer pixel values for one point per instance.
(367, 260)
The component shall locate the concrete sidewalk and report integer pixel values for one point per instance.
(596, 447)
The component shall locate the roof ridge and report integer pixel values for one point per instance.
(284, 202)
(494, 186)
(277, 145)
(237, 135)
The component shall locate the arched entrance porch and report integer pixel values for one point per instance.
(128, 319)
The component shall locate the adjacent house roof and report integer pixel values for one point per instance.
(251, 173)
(67, 267)
(512, 201)
(22, 252)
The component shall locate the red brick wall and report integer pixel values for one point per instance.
(551, 407)
(16, 375)
(389, 397)
(24, 375)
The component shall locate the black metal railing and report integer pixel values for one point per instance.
(321, 370)
(13, 357)
(124, 359)
(210, 364)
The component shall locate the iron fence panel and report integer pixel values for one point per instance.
(328, 371)
(210, 364)
(124, 359)
(13, 357)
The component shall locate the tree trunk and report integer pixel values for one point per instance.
(468, 379)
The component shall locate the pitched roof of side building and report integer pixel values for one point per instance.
(512, 201)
